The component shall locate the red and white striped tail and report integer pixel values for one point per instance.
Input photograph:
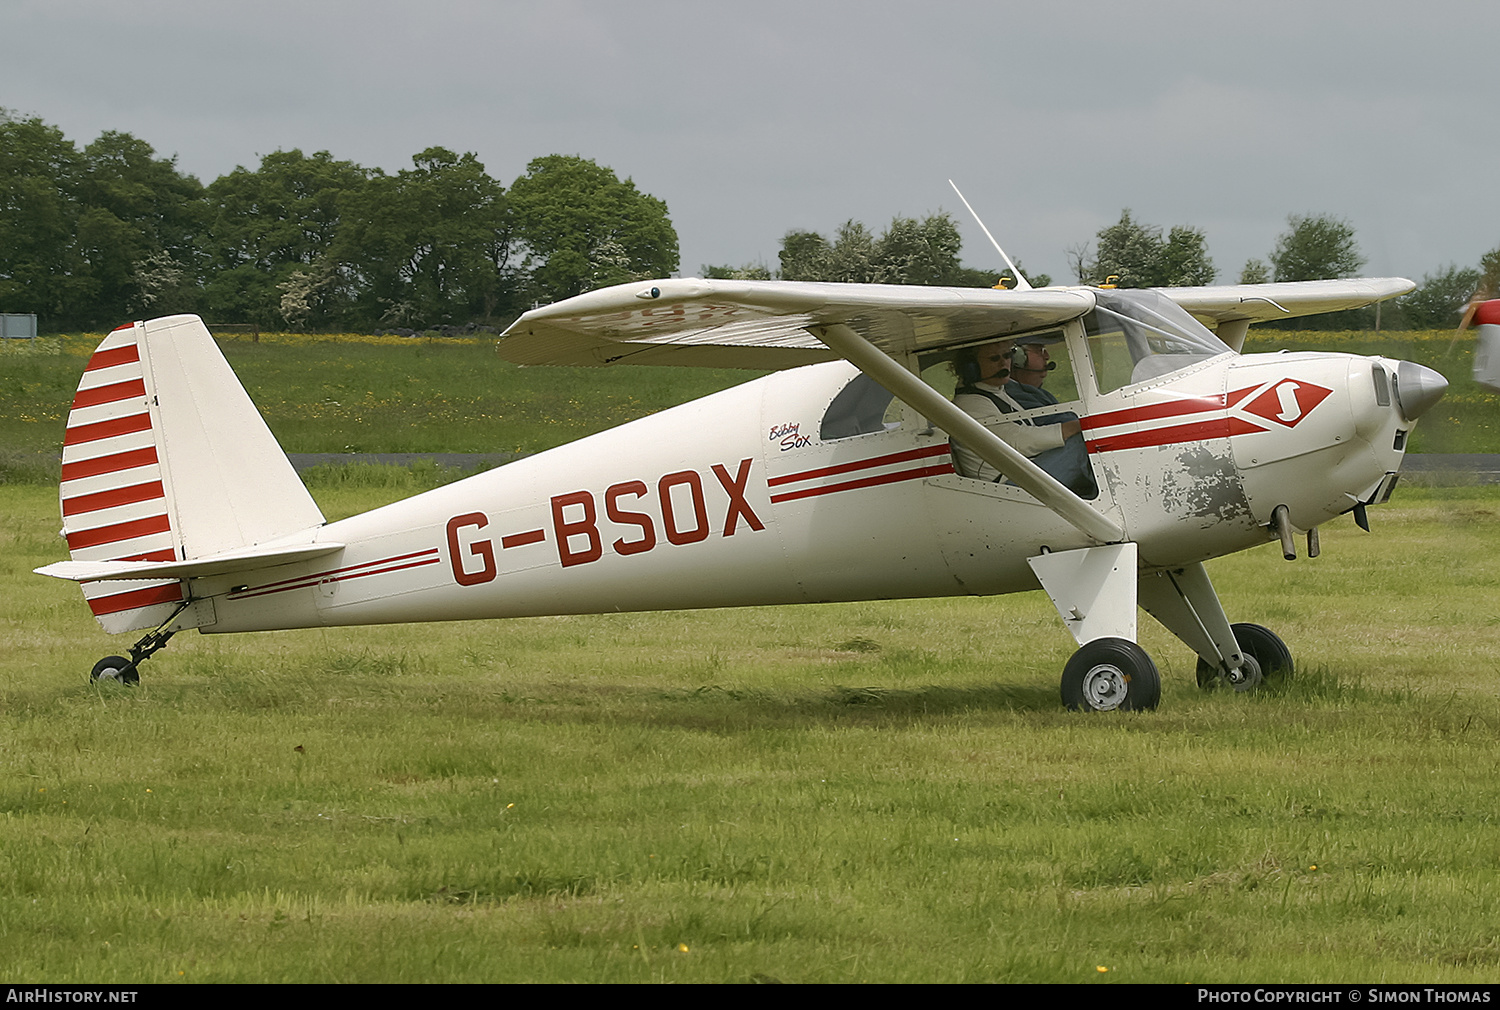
(114, 504)
(166, 459)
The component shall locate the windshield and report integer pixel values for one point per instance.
(1135, 336)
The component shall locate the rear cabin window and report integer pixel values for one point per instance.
(858, 409)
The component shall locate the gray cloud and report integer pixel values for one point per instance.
(750, 119)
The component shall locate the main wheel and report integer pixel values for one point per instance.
(1108, 674)
(1271, 659)
(115, 668)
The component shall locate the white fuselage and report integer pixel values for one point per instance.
(736, 499)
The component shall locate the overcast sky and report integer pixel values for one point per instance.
(753, 118)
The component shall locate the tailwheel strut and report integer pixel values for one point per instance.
(126, 671)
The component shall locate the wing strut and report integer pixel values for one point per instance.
(988, 446)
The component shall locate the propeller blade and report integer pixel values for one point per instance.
(1468, 317)
(1479, 299)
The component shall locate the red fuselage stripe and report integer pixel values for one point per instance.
(1197, 431)
(310, 581)
(1236, 395)
(320, 576)
(1153, 411)
(350, 568)
(940, 449)
(854, 485)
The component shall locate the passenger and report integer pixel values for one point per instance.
(983, 373)
(1030, 364)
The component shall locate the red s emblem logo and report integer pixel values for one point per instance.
(1288, 402)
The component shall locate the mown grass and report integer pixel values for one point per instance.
(876, 792)
(866, 792)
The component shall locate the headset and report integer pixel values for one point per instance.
(1020, 359)
(966, 362)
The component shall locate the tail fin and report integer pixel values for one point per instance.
(166, 459)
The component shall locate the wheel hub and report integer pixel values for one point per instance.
(1247, 677)
(1105, 687)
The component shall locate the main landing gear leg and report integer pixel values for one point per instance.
(1094, 591)
(1238, 657)
(126, 670)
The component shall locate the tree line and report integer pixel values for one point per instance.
(91, 237)
(1127, 254)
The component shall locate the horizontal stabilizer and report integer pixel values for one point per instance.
(218, 564)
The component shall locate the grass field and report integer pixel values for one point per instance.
(867, 792)
(873, 792)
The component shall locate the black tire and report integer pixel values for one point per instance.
(115, 668)
(1263, 646)
(1111, 674)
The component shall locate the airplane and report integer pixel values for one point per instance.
(832, 478)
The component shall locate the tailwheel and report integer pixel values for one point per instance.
(1267, 660)
(127, 671)
(116, 668)
(1109, 674)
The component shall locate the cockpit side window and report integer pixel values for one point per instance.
(1032, 405)
(1136, 336)
(1045, 350)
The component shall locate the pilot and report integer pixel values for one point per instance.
(983, 373)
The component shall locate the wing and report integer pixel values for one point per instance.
(1261, 303)
(764, 324)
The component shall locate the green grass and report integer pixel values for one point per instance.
(865, 792)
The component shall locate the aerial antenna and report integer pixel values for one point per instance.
(1022, 284)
